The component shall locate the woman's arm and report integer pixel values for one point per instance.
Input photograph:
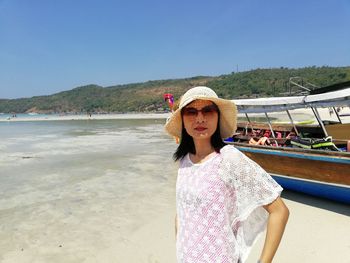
(278, 217)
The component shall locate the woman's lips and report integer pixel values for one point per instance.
(200, 128)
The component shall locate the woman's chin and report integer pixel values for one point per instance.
(201, 135)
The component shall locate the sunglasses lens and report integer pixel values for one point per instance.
(190, 112)
(206, 111)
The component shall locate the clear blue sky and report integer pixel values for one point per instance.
(47, 46)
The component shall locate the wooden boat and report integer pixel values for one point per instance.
(318, 172)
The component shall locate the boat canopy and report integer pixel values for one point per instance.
(338, 98)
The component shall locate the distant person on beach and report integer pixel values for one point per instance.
(223, 199)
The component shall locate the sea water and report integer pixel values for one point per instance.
(14, 116)
(70, 189)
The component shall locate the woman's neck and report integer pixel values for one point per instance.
(203, 148)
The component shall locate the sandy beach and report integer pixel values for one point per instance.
(67, 196)
(318, 231)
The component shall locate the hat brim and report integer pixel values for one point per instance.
(228, 118)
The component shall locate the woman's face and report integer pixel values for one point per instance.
(200, 119)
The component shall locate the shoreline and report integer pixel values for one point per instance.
(77, 117)
(298, 115)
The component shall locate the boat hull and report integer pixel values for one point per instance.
(337, 193)
(319, 174)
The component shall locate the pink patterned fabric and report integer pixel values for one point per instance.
(219, 207)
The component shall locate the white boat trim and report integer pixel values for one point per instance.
(275, 104)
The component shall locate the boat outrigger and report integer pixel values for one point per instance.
(317, 166)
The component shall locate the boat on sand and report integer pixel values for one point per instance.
(311, 159)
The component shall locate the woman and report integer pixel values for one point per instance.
(223, 198)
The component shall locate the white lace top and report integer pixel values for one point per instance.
(219, 207)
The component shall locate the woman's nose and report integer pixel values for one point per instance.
(200, 117)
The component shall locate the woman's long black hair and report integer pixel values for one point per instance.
(187, 145)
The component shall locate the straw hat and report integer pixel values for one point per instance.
(228, 112)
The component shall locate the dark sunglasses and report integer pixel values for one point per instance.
(206, 111)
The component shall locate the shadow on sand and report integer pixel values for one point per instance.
(329, 205)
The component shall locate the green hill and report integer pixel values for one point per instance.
(147, 96)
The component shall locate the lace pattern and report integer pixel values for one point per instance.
(219, 207)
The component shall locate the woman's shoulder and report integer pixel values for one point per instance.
(228, 147)
(228, 150)
(231, 154)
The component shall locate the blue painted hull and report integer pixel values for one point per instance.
(329, 191)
